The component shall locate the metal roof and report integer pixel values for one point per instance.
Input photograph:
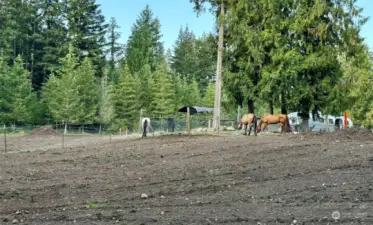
(196, 109)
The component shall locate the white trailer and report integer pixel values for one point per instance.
(320, 122)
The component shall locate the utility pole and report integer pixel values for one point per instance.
(216, 121)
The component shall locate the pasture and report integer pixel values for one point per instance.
(197, 179)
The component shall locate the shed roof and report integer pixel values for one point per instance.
(195, 109)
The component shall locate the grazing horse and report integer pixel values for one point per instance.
(267, 119)
(248, 120)
(145, 125)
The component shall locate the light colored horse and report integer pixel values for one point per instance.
(145, 125)
(248, 120)
(268, 119)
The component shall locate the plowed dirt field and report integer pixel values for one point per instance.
(200, 179)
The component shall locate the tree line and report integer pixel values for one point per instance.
(60, 61)
(304, 55)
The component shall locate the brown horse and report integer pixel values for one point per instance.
(248, 120)
(267, 119)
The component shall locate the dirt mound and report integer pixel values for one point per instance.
(354, 134)
(356, 130)
(44, 130)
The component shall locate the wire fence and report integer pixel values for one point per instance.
(56, 136)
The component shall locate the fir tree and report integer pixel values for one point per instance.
(106, 109)
(206, 54)
(144, 45)
(184, 60)
(124, 100)
(87, 29)
(54, 37)
(179, 87)
(194, 95)
(143, 88)
(5, 92)
(209, 98)
(115, 49)
(164, 94)
(22, 97)
(85, 83)
(61, 92)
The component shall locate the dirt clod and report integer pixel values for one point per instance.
(144, 196)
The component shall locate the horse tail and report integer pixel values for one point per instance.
(260, 124)
(255, 124)
(287, 123)
(145, 126)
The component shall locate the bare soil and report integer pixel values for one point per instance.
(201, 179)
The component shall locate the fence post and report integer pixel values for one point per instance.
(140, 121)
(6, 150)
(345, 120)
(161, 127)
(63, 139)
(188, 120)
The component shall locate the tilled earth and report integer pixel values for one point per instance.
(268, 179)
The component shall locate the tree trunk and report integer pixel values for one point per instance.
(304, 124)
(239, 113)
(284, 107)
(271, 109)
(65, 130)
(250, 105)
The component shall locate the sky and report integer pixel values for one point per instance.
(176, 13)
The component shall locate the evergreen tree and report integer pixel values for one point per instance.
(209, 98)
(22, 95)
(61, 92)
(179, 87)
(143, 88)
(353, 91)
(124, 100)
(9, 29)
(169, 57)
(164, 93)
(54, 36)
(184, 60)
(5, 92)
(184, 91)
(115, 49)
(87, 29)
(152, 84)
(106, 109)
(287, 50)
(194, 95)
(206, 54)
(85, 83)
(144, 45)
